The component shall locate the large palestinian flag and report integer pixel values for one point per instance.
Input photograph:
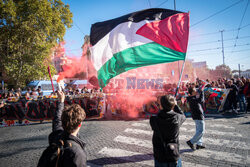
(138, 39)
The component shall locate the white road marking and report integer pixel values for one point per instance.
(189, 123)
(138, 131)
(116, 152)
(140, 124)
(134, 141)
(210, 126)
(220, 142)
(189, 164)
(213, 131)
(208, 140)
(218, 155)
(126, 155)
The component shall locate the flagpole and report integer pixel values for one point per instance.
(51, 79)
(180, 77)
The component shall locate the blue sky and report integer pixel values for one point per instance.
(204, 38)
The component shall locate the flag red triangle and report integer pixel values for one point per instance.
(172, 32)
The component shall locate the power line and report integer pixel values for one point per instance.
(202, 43)
(216, 13)
(162, 3)
(217, 32)
(241, 23)
(201, 50)
(239, 59)
(242, 50)
(79, 28)
(245, 26)
(229, 39)
(149, 3)
(213, 53)
(204, 54)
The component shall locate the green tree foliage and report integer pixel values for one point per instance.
(222, 71)
(29, 30)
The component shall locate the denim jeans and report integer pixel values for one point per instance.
(242, 102)
(200, 130)
(168, 164)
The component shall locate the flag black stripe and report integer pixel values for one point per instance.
(100, 29)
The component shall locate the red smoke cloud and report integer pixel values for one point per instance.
(129, 91)
(73, 67)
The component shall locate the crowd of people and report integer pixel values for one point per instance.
(34, 93)
(238, 97)
(239, 92)
(165, 124)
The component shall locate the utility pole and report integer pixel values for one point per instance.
(239, 70)
(222, 47)
(174, 5)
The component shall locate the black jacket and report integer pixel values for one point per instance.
(169, 124)
(233, 91)
(196, 106)
(74, 156)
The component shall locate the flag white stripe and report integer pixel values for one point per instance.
(122, 37)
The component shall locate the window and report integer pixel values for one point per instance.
(48, 87)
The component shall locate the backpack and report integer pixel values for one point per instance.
(51, 156)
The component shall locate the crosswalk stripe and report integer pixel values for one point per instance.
(188, 123)
(216, 132)
(140, 124)
(208, 140)
(133, 141)
(218, 155)
(189, 164)
(138, 131)
(211, 126)
(116, 152)
(220, 142)
(209, 131)
(124, 154)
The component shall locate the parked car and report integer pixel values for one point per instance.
(79, 84)
(46, 87)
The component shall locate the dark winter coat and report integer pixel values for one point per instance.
(169, 124)
(196, 106)
(74, 156)
(233, 91)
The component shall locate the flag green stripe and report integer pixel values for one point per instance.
(139, 56)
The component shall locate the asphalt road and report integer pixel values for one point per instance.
(128, 143)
